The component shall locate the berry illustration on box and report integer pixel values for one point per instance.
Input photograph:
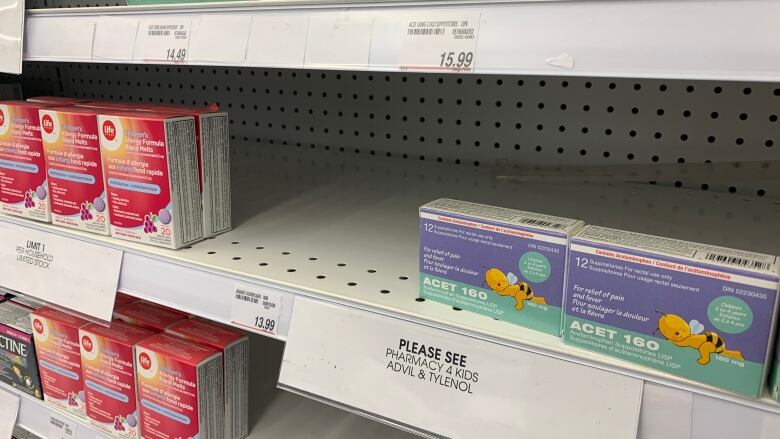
(150, 220)
(31, 195)
(691, 335)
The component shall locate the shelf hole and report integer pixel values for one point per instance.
(312, 259)
(341, 264)
(236, 258)
(371, 271)
(455, 308)
(320, 277)
(419, 299)
(285, 253)
(263, 264)
(259, 248)
(351, 284)
(291, 270)
(403, 277)
(384, 291)
(210, 253)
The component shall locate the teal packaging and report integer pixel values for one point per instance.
(774, 376)
(701, 312)
(503, 263)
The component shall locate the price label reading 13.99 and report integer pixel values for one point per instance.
(256, 309)
(445, 42)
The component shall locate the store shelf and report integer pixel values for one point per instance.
(345, 230)
(274, 413)
(700, 39)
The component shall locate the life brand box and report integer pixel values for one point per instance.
(148, 315)
(23, 187)
(56, 335)
(698, 311)
(55, 100)
(150, 166)
(18, 362)
(235, 355)
(109, 377)
(76, 185)
(213, 139)
(179, 389)
(503, 263)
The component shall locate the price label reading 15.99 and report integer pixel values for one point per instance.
(445, 42)
(162, 41)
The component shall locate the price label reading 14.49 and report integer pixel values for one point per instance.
(162, 41)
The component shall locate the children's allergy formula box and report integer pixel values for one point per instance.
(503, 263)
(179, 389)
(56, 336)
(18, 362)
(76, 186)
(23, 188)
(235, 354)
(697, 311)
(213, 139)
(150, 166)
(109, 377)
(148, 315)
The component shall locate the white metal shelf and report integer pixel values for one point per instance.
(697, 39)
(345, 230)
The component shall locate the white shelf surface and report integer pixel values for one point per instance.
(693, 39)
(299, 217)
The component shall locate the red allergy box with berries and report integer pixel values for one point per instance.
(150, 167)
(76, 186)
(56, 335)
(109, 377)
(23, 185)
(179, 389)
(149, 315)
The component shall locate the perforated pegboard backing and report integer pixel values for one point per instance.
(469, 120)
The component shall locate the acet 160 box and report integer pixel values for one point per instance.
(702, 312)
(503, 263)
(150, 166)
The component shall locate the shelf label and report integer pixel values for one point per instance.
(9, 408)
(443, 383)
(61, 428)
(114, 38)
(12, 25)
(221, 39)
(442, 43)
(341, 41)
(263, 48)
(59, 38)
(163, 40)
(256, 309)
(67, 272)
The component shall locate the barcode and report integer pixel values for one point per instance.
(425, 31)
(541, 223)
(246, 298)
(155, 33)
(739, 262)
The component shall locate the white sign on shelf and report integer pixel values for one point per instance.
(67, 272)
(114, 38)
(264, 47)
(256, 309)
(339, 41)
(449, 384)
(163, 40)
(59, 38)
(444, 42)
(9, 408)
(221, 39)
(61, 428)
(11, 32)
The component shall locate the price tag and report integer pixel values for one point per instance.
(444, 42)
(448, 384)
(256, 308)
(9, 408)
(64, 271)
(163, 41)
(61, 428)
(12, 25)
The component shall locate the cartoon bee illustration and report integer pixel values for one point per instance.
(508, 285)
(690, 335)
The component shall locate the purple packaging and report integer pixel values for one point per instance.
(698, 311)
(503, 263)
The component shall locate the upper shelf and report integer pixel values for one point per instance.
(692, 39)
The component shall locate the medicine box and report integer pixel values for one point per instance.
(503, 263)
(18, 362)
(23, 186)
(698, 311)
(235, 355)
(109, 377)
(76, 185)
(179, 389)
(150, 166)
(148, 315)
(56, 335)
